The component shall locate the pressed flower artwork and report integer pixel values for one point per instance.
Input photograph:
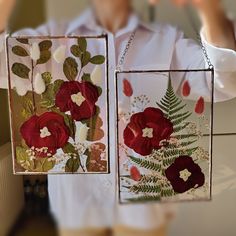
(58, 100)
(164, 136)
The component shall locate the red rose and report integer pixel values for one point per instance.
(79, 98)
(185, 174)
(45, 131)
(146, 130)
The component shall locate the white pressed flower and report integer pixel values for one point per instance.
(96, 75)
(35, 51)
(60, 54)
(82, 132)
(39, 84)
(21, 87)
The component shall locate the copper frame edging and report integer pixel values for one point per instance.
(211, 70)
(103, 36)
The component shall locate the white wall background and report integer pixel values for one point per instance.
(216, 218)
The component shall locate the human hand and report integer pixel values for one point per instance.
(6, 7)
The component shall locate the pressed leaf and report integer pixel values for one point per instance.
(20, 51)
(94, 162)
(24, 41)
(20, 70)
(72, 165)
(99, 59)
(70, 68)
(28, 108)
(57, 85)
(76, 51)
(69, 149)
(85, 58)
(82, 43)
(45, 56)
(45, 45)
(86, 77)
(47, 77)
(43, 165)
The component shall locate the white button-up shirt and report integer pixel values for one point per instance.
(91, 200)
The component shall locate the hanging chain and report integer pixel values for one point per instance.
(127, 47)
(195, 28)
(192, 21)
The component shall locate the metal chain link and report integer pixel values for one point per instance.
(122, 58)
(195, 28)
(132, 36)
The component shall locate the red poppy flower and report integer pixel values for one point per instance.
(45, 131)
(185, 174)
(127, 88)
(79, 98)
(200, 106)
(135, 174)
(186, 89)
(146, 130)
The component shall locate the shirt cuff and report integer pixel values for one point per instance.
(223, 59)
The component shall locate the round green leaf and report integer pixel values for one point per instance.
(85, 58)
(70, 68)
(20, 70)
(82, 44)
(72, 165)
(20, 51)
(45, 56)
(99, 59)
(45, 45)
(24, 41)
(76, 51)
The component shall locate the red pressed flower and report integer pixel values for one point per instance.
(200, 106)
(127, 88)
(45, 131)
(79, 98)
(184, 174)
(146, 130)
(135, 174)
(186, 89)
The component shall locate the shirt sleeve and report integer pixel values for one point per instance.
(224, 62)
(189, 55)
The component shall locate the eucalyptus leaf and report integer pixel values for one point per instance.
(45, 45)
(20, 51)
(70, 68)
(85, 58)
(97, 60)
(76, 51)
(20, 70)
(24, 41)
(82, 44)
(72, 165)
(45, 56)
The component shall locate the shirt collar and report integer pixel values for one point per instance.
(88, 21)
